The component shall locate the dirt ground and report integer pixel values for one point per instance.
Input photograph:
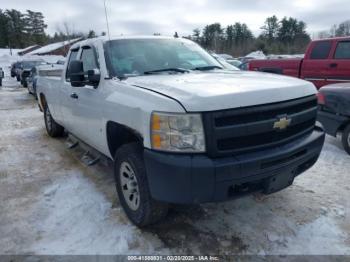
(51, 203)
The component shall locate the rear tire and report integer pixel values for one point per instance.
(346, 139)
(132, 187)
(52, 128)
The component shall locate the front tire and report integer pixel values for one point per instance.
(52, 128)
(346, 139)
(132, 187)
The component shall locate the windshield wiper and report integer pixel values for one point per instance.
(175, 69)
(206, 68)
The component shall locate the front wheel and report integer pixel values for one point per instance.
(346, 139)
(132, 187)
(52, 128)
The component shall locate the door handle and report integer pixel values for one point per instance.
(333, 65)
(74, 96)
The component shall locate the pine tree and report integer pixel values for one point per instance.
(16, 28)
(91, 34)
(35, 27)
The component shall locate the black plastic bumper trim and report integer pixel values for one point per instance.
(187, 179)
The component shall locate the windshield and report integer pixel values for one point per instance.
(133, 57)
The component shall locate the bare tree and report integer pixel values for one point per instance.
(67, 29)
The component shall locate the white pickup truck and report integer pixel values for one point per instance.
(179, 127)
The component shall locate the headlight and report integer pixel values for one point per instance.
(177, 132)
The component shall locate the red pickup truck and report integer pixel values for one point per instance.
(326, 61)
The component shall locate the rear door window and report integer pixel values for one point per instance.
(321, 50)
(343, 50)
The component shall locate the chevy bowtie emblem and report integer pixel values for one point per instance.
(282, 123)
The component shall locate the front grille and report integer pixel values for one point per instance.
(25, 74)
(229, 132)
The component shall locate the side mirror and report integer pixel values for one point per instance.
(76, 73)
(94, 77)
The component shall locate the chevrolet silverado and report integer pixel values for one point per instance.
(179, 127)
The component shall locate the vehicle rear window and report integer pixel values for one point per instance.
(321, 50)
(343, 50)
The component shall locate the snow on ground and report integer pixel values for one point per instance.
(51, 203)
(7, 51)
(69, 221)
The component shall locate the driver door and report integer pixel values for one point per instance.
(87, 109)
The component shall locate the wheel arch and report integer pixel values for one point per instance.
(42, 102)
(118, 135)
(343, 125)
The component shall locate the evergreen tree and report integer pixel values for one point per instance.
(343, 29)
(4, 30)
(271, 28)
(16, 28)
(35, 27)
(91, 34)
(212, 36)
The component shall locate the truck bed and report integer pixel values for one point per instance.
(289, 67)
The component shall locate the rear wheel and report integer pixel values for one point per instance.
(132, 187)
(53, 129)
(346, 139)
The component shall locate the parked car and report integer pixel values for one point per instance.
(244, 66)
(2, 75)
(61, 62)
(334, 111)
(13, 69)
(234, 62)
(179, 128)
(18, 69)
(225, 64)
(25, 69)
(31, 80)
(42, 70)
(326, 61)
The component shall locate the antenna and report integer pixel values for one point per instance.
(109, 36)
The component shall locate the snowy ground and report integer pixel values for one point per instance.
(51, 203)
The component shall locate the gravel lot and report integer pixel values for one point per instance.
(51, 203)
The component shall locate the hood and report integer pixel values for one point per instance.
(341, 87)
(216, 90)
(337, 98)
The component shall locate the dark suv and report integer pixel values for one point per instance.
(14, 68)
(25, 69)
(334, 111)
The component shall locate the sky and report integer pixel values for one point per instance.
(130, 17)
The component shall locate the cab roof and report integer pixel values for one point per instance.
(106, 38)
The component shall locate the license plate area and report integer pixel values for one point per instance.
(277, 182)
